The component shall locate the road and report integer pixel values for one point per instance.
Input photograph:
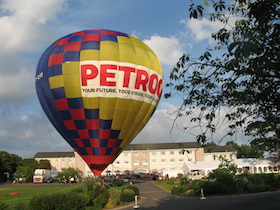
(153, 197)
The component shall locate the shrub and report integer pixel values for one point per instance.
(3, 206)
(254, 188)
(117, 183)
(114, 198)
(77, 190)
(210, 187)
(92, 194)
(195, 185)
(59, 201)
(100, 201)
(127, 195)
(19, 206)
(134, 188)
(179, 190)
(241, 183)
(90, 183)
(184, 181)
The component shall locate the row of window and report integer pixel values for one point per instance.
(145, 162)
(156, 153)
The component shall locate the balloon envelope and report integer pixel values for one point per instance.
(99, 88)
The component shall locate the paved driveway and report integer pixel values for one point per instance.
(153, 197)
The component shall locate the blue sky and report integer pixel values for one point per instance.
(28, 27)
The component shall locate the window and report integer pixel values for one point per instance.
(255, 169)
(162, 153)
(172, 160)
(154, 153)
(126, 162)
(145, 162)
(125, 154)
(136, 154)
(171, 152)
(181, 160)
(136, 162)
(163, 161)
(117, 163)
(265, 169)
(154, 161)
(144, 153)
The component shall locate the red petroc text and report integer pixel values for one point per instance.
(107, 74)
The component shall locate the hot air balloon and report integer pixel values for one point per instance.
(99, 88)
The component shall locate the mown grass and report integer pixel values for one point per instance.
(26, 193)
(167, 184)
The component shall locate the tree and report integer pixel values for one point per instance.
(31, 163)
(244, 80)
(27, 169)
(9, 163)
(67, 173)
(25, 172)
(44, 164)
(246, 151)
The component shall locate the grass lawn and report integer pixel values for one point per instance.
(26, 193)
(167, 184)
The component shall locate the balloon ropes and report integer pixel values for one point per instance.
(99, 88)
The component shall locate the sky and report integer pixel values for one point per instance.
(28, 27)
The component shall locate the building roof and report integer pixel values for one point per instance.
(158, 146)
(54, 154)
(213, 149)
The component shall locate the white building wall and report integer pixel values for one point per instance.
(141, 160)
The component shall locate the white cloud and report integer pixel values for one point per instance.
(23, 33)
(163, 127)
(160, 128)
(17, 88)
(28, 134)
(168, 49)
(3, 133)
(202, 29)
(24, 118)
(24, 29)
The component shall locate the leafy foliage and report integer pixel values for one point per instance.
(44, 164)
(134, 188)
(27, 169)
(127, 195)
(62, 201)
(244, 80)
(67, 173)
(246, 151)
(8, 163)
(226, 180)
(25, 172)
(3, 206)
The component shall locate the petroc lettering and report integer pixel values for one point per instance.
(106, 76)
